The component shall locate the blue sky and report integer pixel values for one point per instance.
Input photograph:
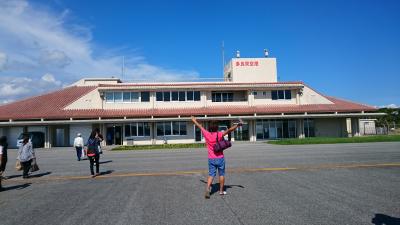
(346, 49)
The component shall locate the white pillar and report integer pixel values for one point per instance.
(348, 127)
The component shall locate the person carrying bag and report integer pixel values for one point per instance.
(216, 144)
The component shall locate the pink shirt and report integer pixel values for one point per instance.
(210, 138)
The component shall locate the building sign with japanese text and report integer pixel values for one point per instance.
(247, 63)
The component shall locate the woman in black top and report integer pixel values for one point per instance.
(3, 154)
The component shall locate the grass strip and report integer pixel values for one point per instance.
(153, 147)
(329, 140)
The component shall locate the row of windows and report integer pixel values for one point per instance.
(137, 130)
(119, 96)
(171, 128)
(181, 96)
(272, 129)
(222, 97)
(281, 94)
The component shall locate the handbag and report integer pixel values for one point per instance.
(221, 145)
(34, 166)
(18, 165)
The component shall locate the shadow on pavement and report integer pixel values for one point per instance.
(106, 172)
(17, 187)
(215, 186)
(104, 162)
(381, 219)
(39, 174)
(13, 176)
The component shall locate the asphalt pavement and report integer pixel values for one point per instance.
(266, 184)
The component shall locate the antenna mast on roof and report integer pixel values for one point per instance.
(223, 58)
(123, 67)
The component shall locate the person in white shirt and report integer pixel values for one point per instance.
(78, 144)
(25, 155)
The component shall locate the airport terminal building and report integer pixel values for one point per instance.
(158, 113)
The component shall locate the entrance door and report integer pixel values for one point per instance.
(242, 133)
(114, 135)
(197, 133)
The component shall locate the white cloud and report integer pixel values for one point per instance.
(12, 88)
(35, 40)
(49, 78)
(390, 106)
(55, 58)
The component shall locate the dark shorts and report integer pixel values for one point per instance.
(214, 165)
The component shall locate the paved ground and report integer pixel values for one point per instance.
(319, 184)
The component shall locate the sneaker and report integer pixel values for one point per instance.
(97, 174)
(222, 193)
(207, 194)
(93, 176)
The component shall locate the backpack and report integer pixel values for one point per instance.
(91, 147)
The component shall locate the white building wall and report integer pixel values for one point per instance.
(248, 70)
(91, 100)
(312, 97)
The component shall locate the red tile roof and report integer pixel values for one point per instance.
(51, 106)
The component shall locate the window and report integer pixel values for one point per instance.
(182, 96)
(127, 97)
(264, 93)
(171, 128)
(274, 95)
(167, 128)
(167, 96)
(159, 96)
(221, 97)
(134, 129)
(309, 129)
(254, 92)
(175, 128)
(127, 130)
(174, 96)
(160, 129)
(281, 94)
(197, 95)
(140, 129)
(224, 97)
(135, 96)
(288, 94)
(146, 129)
(117, 96)
(272, 129)
(189, 95)
(109, 96)
(182, 128)
(145, 96)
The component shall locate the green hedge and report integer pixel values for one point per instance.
(165, 146)
(328, 140)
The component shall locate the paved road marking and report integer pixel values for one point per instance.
(194, 172)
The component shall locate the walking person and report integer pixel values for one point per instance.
(3, 154)
(101, 138)
(25, 155)
(3, 157)
(78, 144)
(92, 152)
(216, 160)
